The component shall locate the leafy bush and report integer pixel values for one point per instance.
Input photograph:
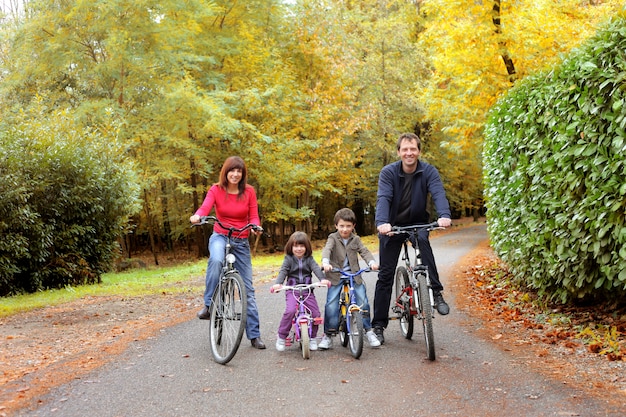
(555, 173)
(65, 194)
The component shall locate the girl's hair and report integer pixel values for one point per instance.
(300, 238)
(234, 162)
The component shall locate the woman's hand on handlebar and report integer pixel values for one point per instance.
(194, 219)
(325, 282)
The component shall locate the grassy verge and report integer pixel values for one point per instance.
(141, 282)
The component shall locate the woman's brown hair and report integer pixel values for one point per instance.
(234, 162)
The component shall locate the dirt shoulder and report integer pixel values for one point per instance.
(46, 348)
(547, 339)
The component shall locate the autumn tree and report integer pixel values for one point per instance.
(477, 51)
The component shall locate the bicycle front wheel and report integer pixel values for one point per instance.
(427, 315)
(355, 334)
(305, 340)
(404, 298)
(228, 318)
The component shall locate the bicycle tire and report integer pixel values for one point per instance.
(355, 335)
(343, 314)
(305, 340)
(228, 318)
(406, 318)
(343, 331)
(426, 309)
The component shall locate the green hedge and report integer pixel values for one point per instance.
(555, 173)
(65, 194)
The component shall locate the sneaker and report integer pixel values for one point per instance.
(326, 343)
(280, 344)
(378, 331)
(312, 344)
(372, 339)
(440, 304)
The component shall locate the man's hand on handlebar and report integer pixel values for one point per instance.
(444, 222)
(384, 229)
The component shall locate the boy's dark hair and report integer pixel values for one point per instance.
(299, 238)
(346, 215)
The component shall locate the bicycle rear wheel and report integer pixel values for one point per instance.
(343, 331)
(427, 315)
(228, 318)
(343, 315)
(355, 335)
(403, 297)
(305, 340)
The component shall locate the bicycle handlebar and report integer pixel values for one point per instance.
(415, 228)
(298, 287)
(212, 219)
(350, 274)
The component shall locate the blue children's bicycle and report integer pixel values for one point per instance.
(302, 323)
(351, 315)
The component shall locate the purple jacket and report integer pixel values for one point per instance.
(426, 180)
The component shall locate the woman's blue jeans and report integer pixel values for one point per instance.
(331, 310)
(243, 263)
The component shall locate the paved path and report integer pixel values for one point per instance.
(174, 375)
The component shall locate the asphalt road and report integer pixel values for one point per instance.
(174, 376)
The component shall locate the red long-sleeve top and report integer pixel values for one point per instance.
(231, 209)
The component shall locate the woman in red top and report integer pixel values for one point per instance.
(235, 205)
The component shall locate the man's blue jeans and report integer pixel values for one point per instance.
(243, 263)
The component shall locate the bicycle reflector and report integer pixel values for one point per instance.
(230, 258)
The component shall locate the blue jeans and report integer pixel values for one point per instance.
(331, 310)
(243, 263)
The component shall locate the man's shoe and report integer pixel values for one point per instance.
(441, 306)
(378, 331)
(280, 344)
(326, 343)
(204, 314)
(257, 343)
(372, 338)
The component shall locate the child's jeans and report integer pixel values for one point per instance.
(331, 311)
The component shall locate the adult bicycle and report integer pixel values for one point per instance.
(350, 313)
(229, 305)
(303, 321)
(413, 291)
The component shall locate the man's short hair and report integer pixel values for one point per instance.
(411, 137)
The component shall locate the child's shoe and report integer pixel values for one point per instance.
(280, 344)
(312, 344)
(372, 339)
(326, 343)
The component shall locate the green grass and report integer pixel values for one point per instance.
(188, 277)
(137, 282)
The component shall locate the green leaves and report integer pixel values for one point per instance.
(66, 194)
(555, 183)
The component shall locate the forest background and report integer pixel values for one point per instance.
(312, 94)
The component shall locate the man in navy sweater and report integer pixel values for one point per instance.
(403, 188)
